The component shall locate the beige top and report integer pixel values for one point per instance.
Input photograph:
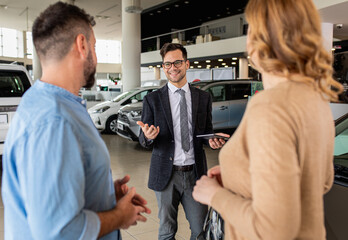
(277, 166)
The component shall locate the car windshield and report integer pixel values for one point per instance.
(341, 152)
(124, 95)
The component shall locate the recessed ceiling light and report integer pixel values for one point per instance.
(159, 11)
(199, 66)
(186, 2)
(158, 65)
(226, 66)
(176, 5)
(150, 66)
(234, 58)
(233, 63)
(151, 14)
(167, 9)
(195, 62)
(223, 64)
(191, 66)
(207, 61)
(208, 65)
(220, 60)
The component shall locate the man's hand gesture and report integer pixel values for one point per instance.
(149, 132)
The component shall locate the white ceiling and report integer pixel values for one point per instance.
(20, 15)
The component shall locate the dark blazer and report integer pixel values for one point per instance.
(156, 111)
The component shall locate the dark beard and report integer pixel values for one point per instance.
(89, 72)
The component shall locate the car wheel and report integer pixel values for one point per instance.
(111, 125)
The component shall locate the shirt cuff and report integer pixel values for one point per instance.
(92, 226)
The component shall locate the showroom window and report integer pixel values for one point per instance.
(11, 43)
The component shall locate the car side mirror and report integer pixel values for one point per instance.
(134, 101)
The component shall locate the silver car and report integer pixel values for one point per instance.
(230, 98)
(128, 116)
(104, 115)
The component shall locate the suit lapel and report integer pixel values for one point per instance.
(195, 104)
(166, 107)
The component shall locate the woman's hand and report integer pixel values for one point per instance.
(215, 172)
(205, 189)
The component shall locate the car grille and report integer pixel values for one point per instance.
(123, 117)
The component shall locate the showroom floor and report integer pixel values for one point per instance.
(130, 158)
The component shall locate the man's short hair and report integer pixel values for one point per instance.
(55, 30)
(167, 47)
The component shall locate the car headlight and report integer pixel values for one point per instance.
(101, 110)
(135, 113)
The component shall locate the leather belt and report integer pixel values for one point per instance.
(183, 168)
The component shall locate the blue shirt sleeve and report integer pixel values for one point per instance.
(54, 198)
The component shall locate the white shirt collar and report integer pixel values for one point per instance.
(173, 88)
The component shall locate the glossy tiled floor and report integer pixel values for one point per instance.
(130, 158)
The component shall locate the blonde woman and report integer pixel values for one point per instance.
(278, 164)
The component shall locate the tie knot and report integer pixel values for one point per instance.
(181, 91)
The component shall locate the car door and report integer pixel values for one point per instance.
(237, 94)
(220, 106)
(336, 200)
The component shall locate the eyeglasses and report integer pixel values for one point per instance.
(176, 64)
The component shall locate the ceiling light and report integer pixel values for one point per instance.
(207, 61)
(233, 63)
(186, 2)
(195, 62)
(234, 58)
(208, 65)
(150, 66)
(176, 5)
(223, 64)
(248, 57)
(102, 17)
(226, 66)
(199, 66)
(159, 11)
(216, 66)
(191, 66)
(220, 60)
(151, 14)
(158, 65)
(167, 9)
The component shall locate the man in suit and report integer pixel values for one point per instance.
(172, 117)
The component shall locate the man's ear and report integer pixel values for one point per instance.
(82, 45)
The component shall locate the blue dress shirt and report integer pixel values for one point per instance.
(56, 169)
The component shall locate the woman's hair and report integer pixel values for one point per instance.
(286, 37)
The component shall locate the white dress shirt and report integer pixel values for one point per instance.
(181, 158)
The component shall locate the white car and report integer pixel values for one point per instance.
(104, 115)
(14, 81)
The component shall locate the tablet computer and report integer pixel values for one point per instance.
(212, 135)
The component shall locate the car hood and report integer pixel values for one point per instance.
(132, 107)
(100, 105)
